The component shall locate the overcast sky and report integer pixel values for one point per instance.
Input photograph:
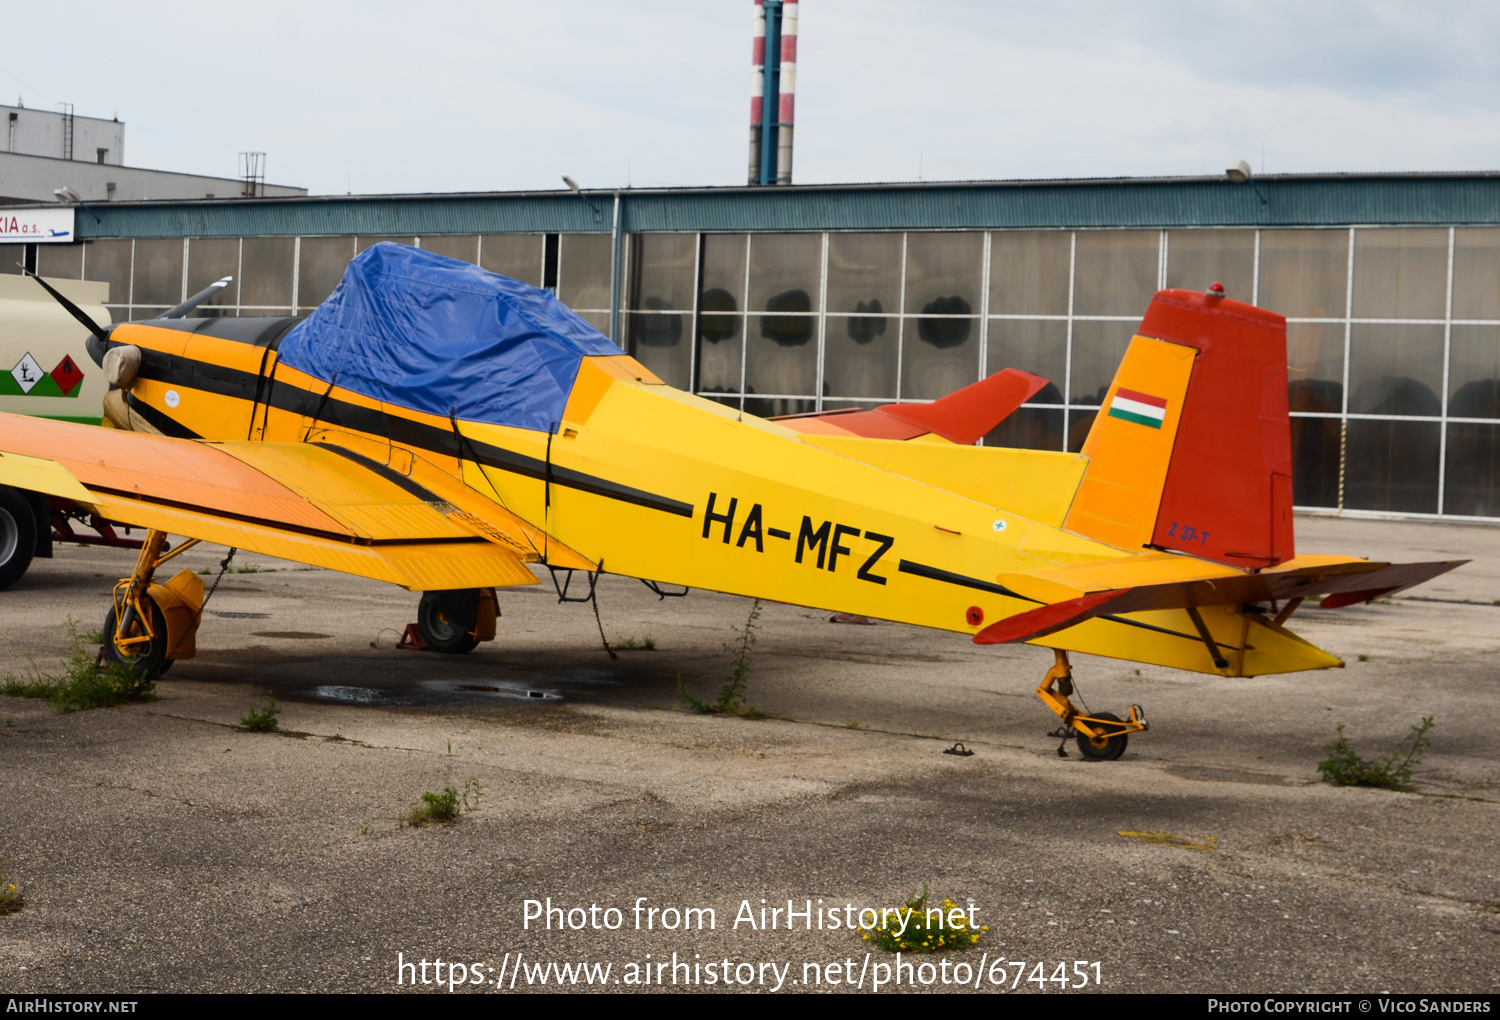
(502, 95)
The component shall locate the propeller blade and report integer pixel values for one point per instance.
(196, 300)
(78, 313)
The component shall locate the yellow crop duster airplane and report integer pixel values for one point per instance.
(440, 427)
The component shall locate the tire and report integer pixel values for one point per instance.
(17, 536)
(1111, 750)
(151, 660)
(447, 620)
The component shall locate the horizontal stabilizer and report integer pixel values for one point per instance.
(1046, 620)
(964, 416)
(1340, 582)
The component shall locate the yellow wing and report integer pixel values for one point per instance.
(328, 504)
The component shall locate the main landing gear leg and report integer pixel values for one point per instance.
(1101, 736)
(135, 631)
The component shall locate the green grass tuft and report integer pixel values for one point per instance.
(1344, 767)
(11, 899)
(83, 682)
(731, 700)
(441, 808)
(922, 933)
(261, 720)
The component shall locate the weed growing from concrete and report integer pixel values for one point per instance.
(916, 927)
(731, 699)
(634, 645)
(473, 790)
(261, 720)
(440, 808)
(83, 683)
(435, 808)
(1363, 657)
(11, 899)
(1346, 768)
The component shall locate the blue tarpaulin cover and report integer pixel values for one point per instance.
(434, 334)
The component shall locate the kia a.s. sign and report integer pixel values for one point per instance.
(36, 226)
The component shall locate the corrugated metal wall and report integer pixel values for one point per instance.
(1265, 202)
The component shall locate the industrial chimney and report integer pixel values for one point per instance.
(773, 88)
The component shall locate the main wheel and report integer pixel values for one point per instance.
(1113, 747)
(148, 660)
(447, 620)
(17, 536)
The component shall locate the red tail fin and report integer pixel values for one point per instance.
(1228, 492)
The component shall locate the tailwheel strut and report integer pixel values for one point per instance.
(1103, 736)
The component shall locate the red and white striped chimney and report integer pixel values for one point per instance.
(757, 89)
(788, 89)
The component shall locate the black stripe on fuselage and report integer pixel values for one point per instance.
(947, 576)
(229, 382)
(167, 426)
(934, 574)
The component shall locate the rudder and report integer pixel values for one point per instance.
(1192, 448)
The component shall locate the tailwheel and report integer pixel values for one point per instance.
(1100, 737)
(1108, 744)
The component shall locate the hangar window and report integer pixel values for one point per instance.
(518, 256)
(1116, 271)
(1030, 272)
(721, 305)
(156, 277)
(463, 247)
(210, 259)
(1400, 274)
(266, 275)
(1304, 273)
(321, 263)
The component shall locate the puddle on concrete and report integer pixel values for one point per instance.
(1213, 775)
(290, 635)
(392, 683)
(230, 615)
(435, 692)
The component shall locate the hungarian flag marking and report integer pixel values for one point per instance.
(1141, 408)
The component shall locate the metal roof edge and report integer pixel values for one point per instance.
(1076, 203)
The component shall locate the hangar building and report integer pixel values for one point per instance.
(797, 298)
